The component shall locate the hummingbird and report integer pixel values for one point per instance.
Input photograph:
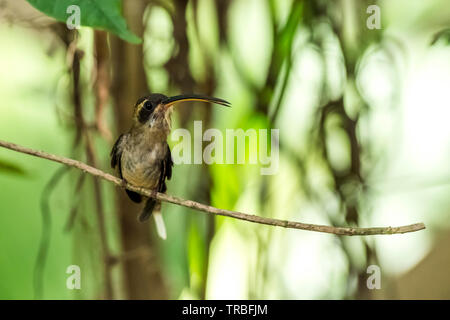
(142, 155)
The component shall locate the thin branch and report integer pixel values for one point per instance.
(76, 201)
(348, 231)
(44, 243)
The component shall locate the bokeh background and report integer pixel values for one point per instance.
(364, 140)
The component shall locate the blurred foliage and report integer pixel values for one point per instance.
(443, 35)
(9, 167)
(363, 141)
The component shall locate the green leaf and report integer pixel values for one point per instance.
(98, 14)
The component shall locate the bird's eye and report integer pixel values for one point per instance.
(148, 105)
(145, 112)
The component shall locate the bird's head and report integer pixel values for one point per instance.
(154, 111)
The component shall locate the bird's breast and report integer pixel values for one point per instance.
(141, 164)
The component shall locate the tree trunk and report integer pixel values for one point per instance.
(141, 273)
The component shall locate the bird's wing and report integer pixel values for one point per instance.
(168, 163)
(166, 171)
(116, 153)
(116, 156)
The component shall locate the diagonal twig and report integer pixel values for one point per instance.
(348, 231)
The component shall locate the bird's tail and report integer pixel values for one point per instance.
(152, 206)
(159, 222)
(147, 211)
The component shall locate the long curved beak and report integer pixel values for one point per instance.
(193, 97)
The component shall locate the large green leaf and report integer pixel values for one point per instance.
(98, 14)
